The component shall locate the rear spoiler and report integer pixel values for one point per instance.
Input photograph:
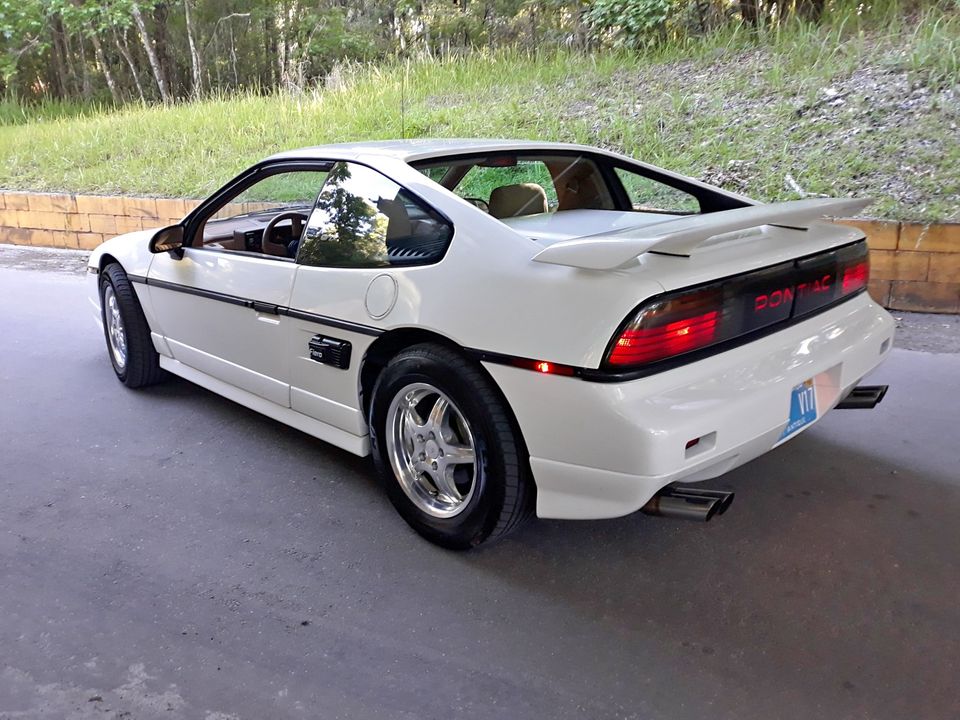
(681, 236)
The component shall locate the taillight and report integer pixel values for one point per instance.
(664, 329)
(856, 277)
(686, 321)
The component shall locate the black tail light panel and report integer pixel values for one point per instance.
(686, 325)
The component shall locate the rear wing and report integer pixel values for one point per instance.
(681, 236)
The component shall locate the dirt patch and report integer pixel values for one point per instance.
(878, 130)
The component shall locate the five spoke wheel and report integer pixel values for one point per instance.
(431, 449)
(116, 333)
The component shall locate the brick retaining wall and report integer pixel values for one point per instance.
(81, 221)
(914, 266)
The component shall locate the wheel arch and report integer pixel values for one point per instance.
(392, 342)
(107, 259)
(385, 348)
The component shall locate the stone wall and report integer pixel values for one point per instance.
(914, 266)
(81, 221)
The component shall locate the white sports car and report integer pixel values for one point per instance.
(507, 327)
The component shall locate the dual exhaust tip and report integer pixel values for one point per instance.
(863, 397)
(688, 503)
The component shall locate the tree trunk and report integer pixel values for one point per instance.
(87, 83)
(104, 68)
(160, 42)
(124, 50)
(151, 53)
(233, 59)
(749, 11)
(810, 10)
(196, 66)
(58, 80)
(68, 78)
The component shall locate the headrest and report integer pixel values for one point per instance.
(513, 200)
(398, 224)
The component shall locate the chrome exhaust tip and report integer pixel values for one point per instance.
(863, 397)
(688, 503)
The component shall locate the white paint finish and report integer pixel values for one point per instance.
(347, 418)
(323, 391)
(93, 296)
(131, 250)
(322, 431)
(381, 296)
(552, 227)
(640, 428)
(269, 388)
(232, 342)
(160, 344)
(682, 236)
(616, 443)
(578, 492)
(337, 293)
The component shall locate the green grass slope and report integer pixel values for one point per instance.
(841, 110)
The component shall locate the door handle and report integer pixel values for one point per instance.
(262, 307)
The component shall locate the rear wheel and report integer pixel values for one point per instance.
(134, 359)
(447, 449)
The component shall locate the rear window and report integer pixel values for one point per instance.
(481, 181)
(515, 183)
(509, 185)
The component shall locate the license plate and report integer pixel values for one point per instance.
(803, 408)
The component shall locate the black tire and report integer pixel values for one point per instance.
(142, 365)
(503, 494)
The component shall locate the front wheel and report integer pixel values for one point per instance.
(135, 361)
(447, 449)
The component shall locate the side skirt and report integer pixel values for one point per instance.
(358, 445)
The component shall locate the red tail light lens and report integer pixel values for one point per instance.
(655, 335)
(686, 321)
(856, 277)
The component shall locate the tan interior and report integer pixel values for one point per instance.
(513, 200)
(398, 220)
(579, 185)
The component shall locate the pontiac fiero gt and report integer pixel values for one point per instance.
(506, 327)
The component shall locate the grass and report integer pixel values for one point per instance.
(865, 106)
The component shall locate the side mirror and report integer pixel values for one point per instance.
(169, 239)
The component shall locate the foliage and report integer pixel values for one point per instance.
(118, 51)
(629, 23)
(843, 108)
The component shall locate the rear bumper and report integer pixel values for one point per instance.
(603, 450)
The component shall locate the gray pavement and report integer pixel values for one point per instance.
(168, 554)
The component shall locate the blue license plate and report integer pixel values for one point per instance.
(803, 408)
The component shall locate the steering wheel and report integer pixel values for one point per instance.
(478, 202)
(267, 243)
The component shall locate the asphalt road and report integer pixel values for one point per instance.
(168, 554)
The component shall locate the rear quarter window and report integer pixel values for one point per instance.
(648, 195)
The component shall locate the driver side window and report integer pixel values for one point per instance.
(363, 219)
(279, 203)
